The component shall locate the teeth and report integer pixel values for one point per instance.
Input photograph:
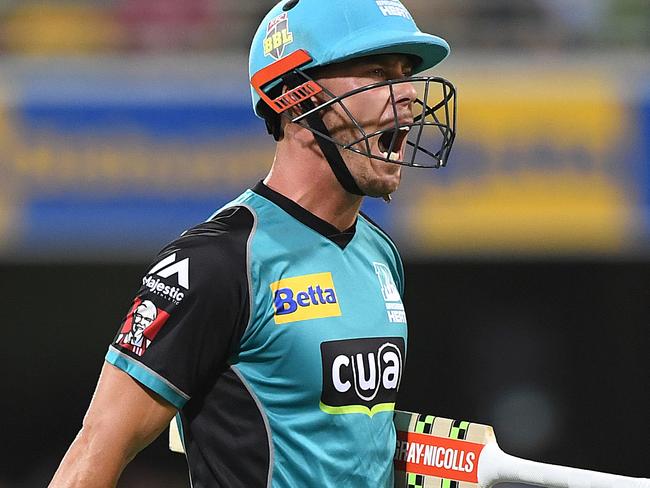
(405, 129)
(393, 156)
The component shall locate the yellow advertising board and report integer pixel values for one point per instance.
(547, 179)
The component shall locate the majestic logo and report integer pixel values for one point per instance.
(304, 297)
(167, 268)
(361, 375)
(390, 293)
(278, 36)
(141, 325)
(393, 8)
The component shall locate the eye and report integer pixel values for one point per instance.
(378, 72)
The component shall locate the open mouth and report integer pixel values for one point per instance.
(391, 143)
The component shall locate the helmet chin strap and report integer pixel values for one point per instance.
(334, 158)
(331, 152)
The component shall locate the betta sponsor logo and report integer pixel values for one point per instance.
(361, 375)
(304, 298)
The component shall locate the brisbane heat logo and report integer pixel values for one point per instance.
(361, 375)
(278, 36)
(390, 293)
(393, 8)
(304, 298)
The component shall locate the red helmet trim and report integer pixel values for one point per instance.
(277, 70)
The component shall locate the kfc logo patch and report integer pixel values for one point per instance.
(141, 325)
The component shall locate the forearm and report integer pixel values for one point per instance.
(90, 463)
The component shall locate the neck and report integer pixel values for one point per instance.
(304, 176)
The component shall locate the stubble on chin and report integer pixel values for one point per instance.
(378, 178)
(374, 177)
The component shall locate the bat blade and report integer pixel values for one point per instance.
(436, 452)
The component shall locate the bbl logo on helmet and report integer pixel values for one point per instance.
(278, 36)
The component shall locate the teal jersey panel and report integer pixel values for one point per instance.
(325, 347)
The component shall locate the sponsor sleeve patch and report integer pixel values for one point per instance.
(141, 325)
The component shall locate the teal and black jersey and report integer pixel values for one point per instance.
(280, 339)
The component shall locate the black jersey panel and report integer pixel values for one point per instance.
(227, 439)
(193, 306)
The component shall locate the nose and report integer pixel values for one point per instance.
(405, 93)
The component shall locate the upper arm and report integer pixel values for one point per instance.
(124, 414)
(123, 418)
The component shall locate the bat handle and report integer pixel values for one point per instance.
(495, 466)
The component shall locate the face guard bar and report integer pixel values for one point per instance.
(430, 135)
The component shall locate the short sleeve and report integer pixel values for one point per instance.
(191, 310)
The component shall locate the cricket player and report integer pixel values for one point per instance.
(278, 338)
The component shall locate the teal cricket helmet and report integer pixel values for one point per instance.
(332, 31)
(297, 35)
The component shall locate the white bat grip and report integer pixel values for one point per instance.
(495, 466)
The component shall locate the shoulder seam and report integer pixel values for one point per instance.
(249, 276)
(382, 232)
(237, 202)
(377, 226)
(228, 206)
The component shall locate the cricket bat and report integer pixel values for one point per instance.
(435, 452)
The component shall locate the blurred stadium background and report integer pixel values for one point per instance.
(123, 122)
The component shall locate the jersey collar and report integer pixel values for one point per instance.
(340, 238)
